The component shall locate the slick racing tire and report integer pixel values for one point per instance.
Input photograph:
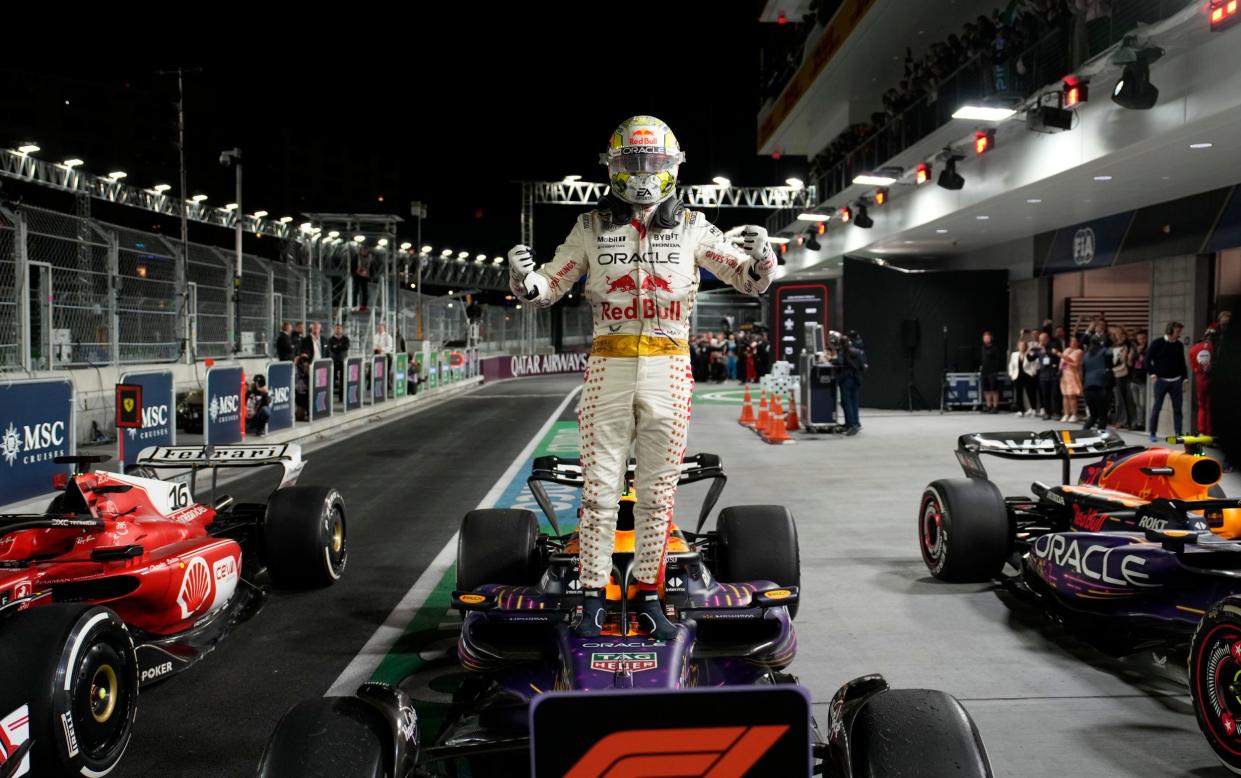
(328, 737)
(1215, 679)
(963, 530)
(71, 675)
(919, 732)
(498, 546)
(305, 536)
(759, 543)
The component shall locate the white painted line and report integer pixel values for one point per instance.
(363, 666)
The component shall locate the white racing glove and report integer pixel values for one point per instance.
(754, 242)
(521, 266)
(520, 261)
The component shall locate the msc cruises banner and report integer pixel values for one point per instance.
(224, 406)
(159, 424)
(36, 425)
(280, 386)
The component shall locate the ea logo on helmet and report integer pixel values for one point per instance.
(1083, 246)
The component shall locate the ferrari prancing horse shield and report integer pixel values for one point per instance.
(129, 406)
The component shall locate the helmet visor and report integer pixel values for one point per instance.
(643, 163)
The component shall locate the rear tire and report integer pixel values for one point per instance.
(328, 737)
(305, 537)
(86, 648)
(759, 543)
(919, 732)
(963, 530)
(498, 546)
(1214, 665)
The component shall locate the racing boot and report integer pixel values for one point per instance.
(650, 612)
(594, 614)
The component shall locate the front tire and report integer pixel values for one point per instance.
(963, 530)
(73, 667)
(305, 537)
(328, 737)
(919, 732)
(1215, 679)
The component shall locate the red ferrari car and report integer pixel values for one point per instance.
(126, 580)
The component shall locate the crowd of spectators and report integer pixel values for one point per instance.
(743, 356)
(1052, 370)
(983, 60)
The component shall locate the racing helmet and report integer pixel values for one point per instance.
(642, 158)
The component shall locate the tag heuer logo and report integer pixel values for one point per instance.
(633, 662)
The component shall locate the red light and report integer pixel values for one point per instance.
(845, 215)
(784, 247)
(60, 481)
(1223, 14)
(782, 19)
(822, 228)
(775, 155)
(1070, 97)
(881, 196)
(924, 173)
(984, 141)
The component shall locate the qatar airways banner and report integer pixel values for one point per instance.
(499, 368)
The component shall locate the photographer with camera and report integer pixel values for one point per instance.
(258, 406)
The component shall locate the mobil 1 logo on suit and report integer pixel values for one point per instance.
(158, 425)
(36, 426)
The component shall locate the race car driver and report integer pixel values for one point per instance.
(640, 251)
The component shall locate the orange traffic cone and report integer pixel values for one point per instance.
(777, 434)
(794, 423)
(747, 410)
(775, 418)
(764, 415)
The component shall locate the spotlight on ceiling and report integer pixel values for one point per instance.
(1134, 90)
(922, 174)
(861, 219)
(949, 178)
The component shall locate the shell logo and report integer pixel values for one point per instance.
(472, 599)
(195, 587)
(778, 594)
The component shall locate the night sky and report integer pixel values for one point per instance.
(457, 104)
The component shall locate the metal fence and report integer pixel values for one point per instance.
(77, 292)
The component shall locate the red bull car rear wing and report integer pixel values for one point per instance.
(1065, 445)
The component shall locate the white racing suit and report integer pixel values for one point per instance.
(641, 287)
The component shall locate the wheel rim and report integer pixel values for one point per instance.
(932, 531)
(100, 702)
(336, 545)
(104, 689)
(1216, 686)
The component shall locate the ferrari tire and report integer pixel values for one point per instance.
(759, 543)
(498, 546)
(963, 530)
(305, 537)
(328, 737)
(1215, 679)
(71, 672)
(918, 732)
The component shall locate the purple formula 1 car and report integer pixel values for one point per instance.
(734, 593)
(1142, 552)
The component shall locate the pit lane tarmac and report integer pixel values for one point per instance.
(406, 485)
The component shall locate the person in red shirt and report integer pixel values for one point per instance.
(1200, 362)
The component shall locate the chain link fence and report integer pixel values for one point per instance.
(10, 314)
(80, 292)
